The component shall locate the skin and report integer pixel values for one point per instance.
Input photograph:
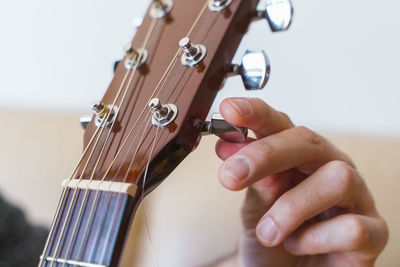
(306, 204)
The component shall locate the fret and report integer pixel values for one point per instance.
(105, 186)
(72, 262)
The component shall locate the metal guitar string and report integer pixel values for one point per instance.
(142, 111)
(167, 71)
(99, 129)
(63, 196)
(140, 143)
(112, 194)
(132, 72)
(144, 182)
(87, 163)
(157, 87)
(125, 178)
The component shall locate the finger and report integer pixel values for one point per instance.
(261, 196)
(226, 149)
(293, 148)
(334, 184)
(347, 232)
(254, 114)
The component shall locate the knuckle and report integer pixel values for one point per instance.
(264, 149)
(385, 232)
(315, 240)
(308, 135)
(343, 175)
(286, 119)
(290, 207)
(359, 234)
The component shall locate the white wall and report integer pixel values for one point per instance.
(336, 69)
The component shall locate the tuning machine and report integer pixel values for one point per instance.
(160, 8)
(223, 129)
(279, 14)
(255, 69)
(85, 120)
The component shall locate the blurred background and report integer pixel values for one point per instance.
(335, 71)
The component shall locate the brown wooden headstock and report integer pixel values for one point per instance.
(134, 147)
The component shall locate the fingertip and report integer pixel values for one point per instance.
(227, 182)
(292, 246)
(219, 149)
(267, 232)
(236, 109)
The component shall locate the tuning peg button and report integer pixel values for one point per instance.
(279, 14)
(116, 62)
(223, 129)
(255, 69)
(85, 120)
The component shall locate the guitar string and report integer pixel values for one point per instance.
(144, 108)
(143, 186)
(128, 171)
(73, 175)
(106, 173)
(80, 179)
(190, 31)
(99, 129)
(91, 178)
(131, 163)
(64, 194)
(132, 73)
(140, 143)
(89, 185)
(112, 194)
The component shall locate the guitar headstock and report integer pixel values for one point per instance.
(154, 111)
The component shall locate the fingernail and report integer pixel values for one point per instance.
(267, 231)
(237, 168)
(241, 105)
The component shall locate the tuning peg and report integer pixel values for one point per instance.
(219, 127)
(137, 22)
(279, 14)
(116, 62)
(255, 69)
(85, 120)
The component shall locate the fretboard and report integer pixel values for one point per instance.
(90, 230)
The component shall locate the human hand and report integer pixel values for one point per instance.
(306, 205)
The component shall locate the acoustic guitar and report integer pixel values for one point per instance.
(151, 117)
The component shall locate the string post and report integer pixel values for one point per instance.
(160, 8)
(163, 115)
(104, 112)
(135, 57)
(100, 109)
(194, 54)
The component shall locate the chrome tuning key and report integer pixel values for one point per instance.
(160, 8)
(163, 115)
(223, 129)
(279, 14)
(85, 120)
(255, 69)
(194, 54)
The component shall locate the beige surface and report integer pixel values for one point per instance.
(192, 219)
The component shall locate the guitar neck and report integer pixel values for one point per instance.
(94, 234)
(131, 145)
